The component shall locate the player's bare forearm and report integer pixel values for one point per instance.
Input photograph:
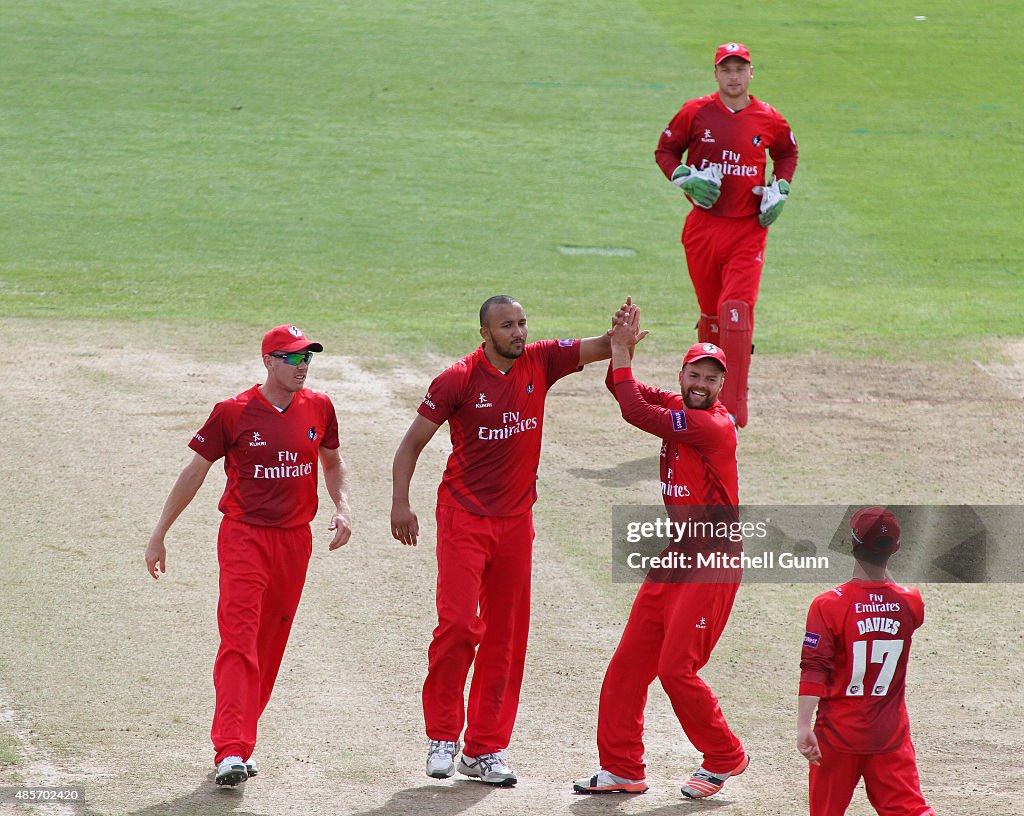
(406, 457)
(622, 358)
(404, 524)
(184, 490)
(609, 380)
(807, 704)
(335, 475)
(594, 349)
(806, 740)
(402, 469)
(336, 480)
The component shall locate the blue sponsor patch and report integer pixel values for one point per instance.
(678, 420)
(566, 343)
(811, 640)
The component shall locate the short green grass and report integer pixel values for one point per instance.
(9, 754)
(381, 168)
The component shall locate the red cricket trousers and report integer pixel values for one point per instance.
(671, 631)
(262, 572)
(890, 779)
(724, 257)
(483, 599)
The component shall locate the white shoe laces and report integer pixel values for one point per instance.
(439, 747)
(490, 761)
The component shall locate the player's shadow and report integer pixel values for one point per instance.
(206, 800)
(637, 470)
(612, 803)
(428, 800)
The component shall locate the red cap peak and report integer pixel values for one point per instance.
(288, 338)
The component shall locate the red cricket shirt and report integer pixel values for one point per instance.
(698, 449)
(854, 658)
(270, 457)
(709, 133)
(496, 422)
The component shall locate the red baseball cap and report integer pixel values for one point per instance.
(875, 529)
(698, 351)
(732, 50)
(288, 338)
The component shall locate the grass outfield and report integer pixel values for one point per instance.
(9, 756)
(364, 167)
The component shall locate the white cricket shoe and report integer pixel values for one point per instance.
(607, 782)
(230, 771)
(489, 768)
(441, 758)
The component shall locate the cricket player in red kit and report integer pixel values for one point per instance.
(853, 670)
(674, 624)
(726, 137)
(493, 402)
(271, 438)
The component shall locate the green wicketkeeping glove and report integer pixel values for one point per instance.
(702, 186)
(773, 196)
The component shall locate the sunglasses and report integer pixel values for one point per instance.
(295, 357)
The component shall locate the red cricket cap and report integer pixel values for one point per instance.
(875, 529)
(698, 351)
(732, 50)
(288, 338)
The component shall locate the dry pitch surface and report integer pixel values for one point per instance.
(105, 675)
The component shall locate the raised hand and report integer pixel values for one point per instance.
(626, 332)
(627, 314)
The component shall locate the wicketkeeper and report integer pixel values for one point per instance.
(726, 137)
